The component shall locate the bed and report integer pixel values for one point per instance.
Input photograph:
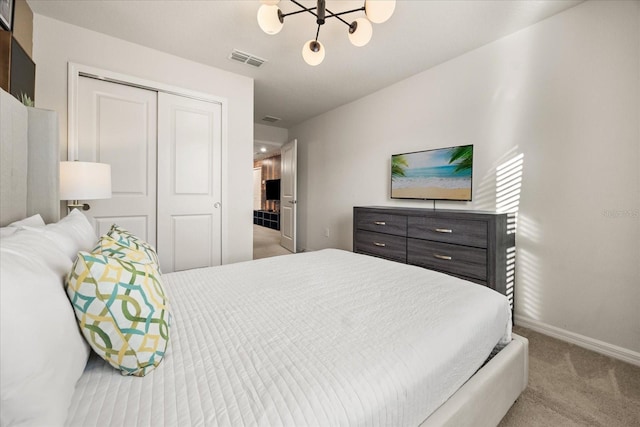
(320, 338)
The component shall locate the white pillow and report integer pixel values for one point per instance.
(72, 234)
(7, 231)
(33, 221)
(42, 351)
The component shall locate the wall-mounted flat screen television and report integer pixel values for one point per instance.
(440, 174)
(272, 189)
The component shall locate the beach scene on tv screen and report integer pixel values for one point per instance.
(443, 174)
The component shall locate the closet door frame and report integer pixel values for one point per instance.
(76, 70)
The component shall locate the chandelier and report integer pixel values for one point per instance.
(271, 21)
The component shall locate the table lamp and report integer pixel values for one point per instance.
(84, 181)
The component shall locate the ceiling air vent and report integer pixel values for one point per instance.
(246, 58)
(271, 119)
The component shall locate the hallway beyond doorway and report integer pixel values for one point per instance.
(266, 243)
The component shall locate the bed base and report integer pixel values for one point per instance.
(487, 396)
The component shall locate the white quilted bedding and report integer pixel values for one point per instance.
(316, 339)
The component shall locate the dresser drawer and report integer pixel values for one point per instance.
(458, 231)
(382, 245)
(381, 222)
(459, 260)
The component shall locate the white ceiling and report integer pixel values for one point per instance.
(419, 35)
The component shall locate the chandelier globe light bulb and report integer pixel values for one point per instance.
(379, 11)
(313, 52)
(360, 32)
(269, 19)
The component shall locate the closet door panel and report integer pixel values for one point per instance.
(189, 182)
(193, 154)
(121, 141)
(190, 250)
(117, 124)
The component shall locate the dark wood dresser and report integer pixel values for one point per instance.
(474, 245)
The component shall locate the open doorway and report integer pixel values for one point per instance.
(268, 141)
(266, 213)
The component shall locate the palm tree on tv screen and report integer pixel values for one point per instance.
(398, 165)
(462, 157)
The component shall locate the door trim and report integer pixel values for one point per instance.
(76, 70)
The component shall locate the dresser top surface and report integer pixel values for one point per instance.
(430, 211)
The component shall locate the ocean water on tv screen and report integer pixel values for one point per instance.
(434, 176)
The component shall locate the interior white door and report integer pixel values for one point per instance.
(288, 195)
(257, 189)
(117, 125)
(189, 183)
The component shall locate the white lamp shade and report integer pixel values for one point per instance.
(311, 57)
(362, 35)
(85, 181)
(268, 19)
(379, 11)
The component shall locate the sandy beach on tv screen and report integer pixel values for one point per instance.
(432, 193)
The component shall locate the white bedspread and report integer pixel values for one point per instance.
(315, 339)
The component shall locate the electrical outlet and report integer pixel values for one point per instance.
(326, 232)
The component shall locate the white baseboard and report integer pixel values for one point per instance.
(592, 344)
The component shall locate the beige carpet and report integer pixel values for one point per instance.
(266, 243)
(571, 386)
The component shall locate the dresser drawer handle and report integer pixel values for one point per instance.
(444, 257)
(443, 230)
(382, 245)
(379, 223)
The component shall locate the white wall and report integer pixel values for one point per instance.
(270, 133)
(270, 138)
(57, 43)
(564, 93)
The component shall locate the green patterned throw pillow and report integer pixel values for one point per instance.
(111, 247)
(122, 310)
(126, 238)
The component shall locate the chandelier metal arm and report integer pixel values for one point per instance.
(337, 15)
(300, 11)
(329, 13)
(304, 9)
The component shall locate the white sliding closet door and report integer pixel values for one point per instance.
(189, 182)
(116, 124)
